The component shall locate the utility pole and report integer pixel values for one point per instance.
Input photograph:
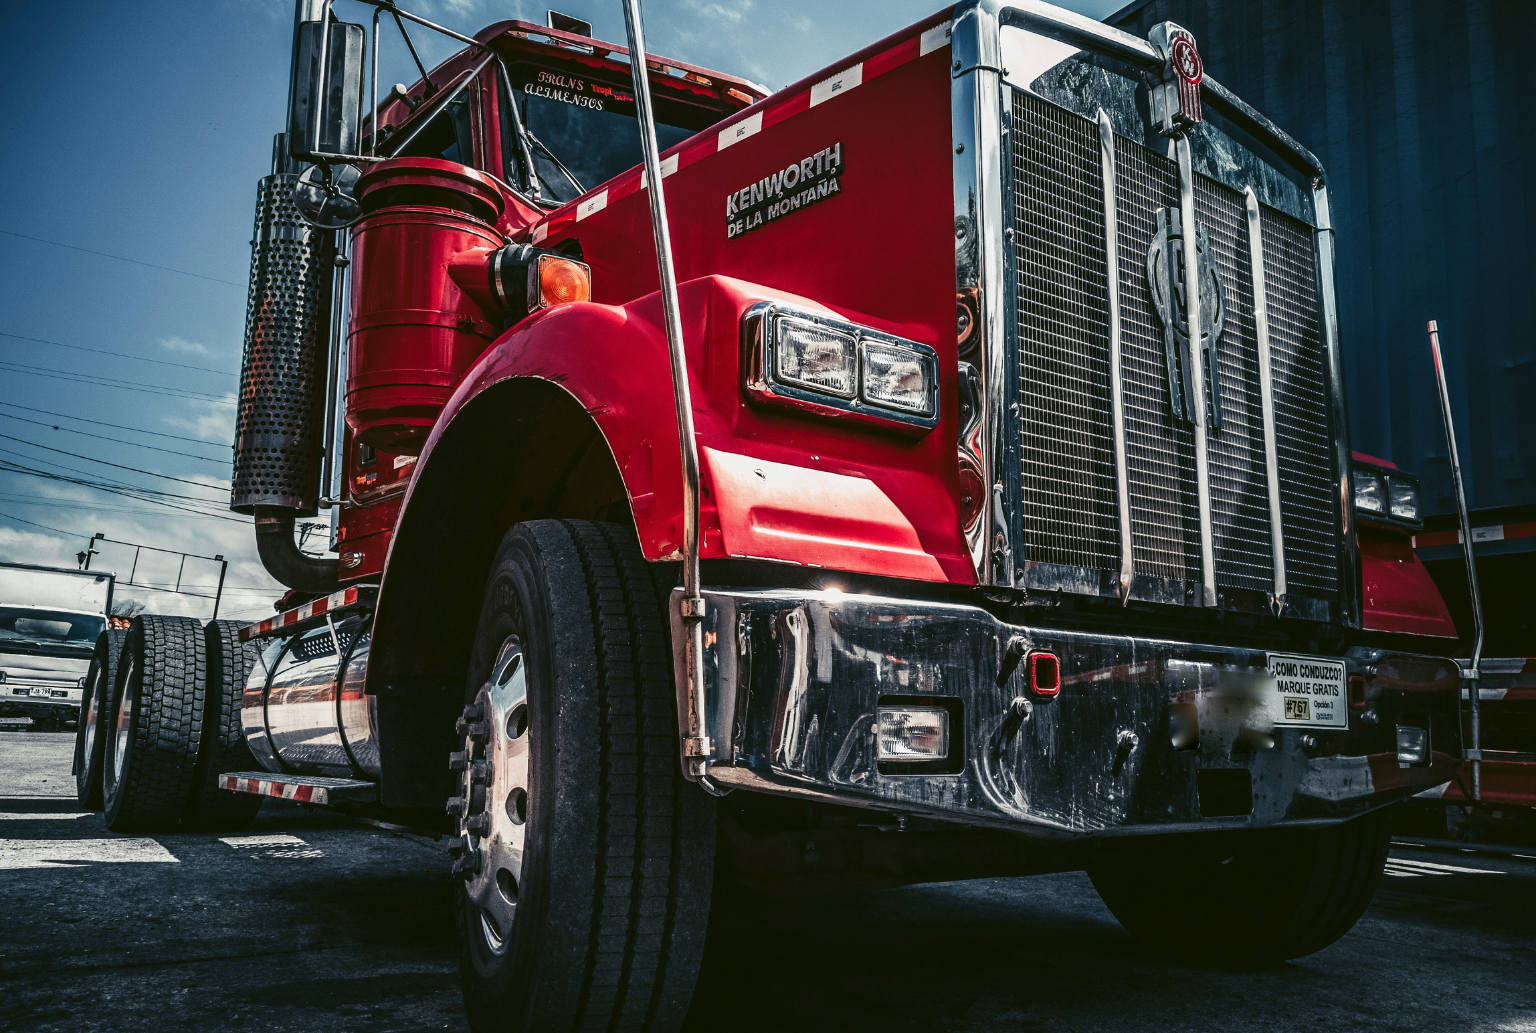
(84, 558)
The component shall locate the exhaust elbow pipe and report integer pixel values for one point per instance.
(282, 558)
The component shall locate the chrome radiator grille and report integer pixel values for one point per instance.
(1068, 497)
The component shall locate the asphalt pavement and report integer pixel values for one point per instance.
(306, 922)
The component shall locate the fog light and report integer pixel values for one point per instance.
(1412, 745)
(911, 734)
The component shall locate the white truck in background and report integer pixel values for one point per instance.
(50, 619)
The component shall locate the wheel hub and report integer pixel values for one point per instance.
(88, 733)
(492, 806)
(124, 720)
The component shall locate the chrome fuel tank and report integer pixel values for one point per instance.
(304, 710)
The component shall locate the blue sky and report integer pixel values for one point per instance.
(139, 130)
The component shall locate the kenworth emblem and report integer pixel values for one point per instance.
(1167, 281)
(1175, 88)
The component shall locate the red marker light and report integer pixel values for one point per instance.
(1044, 674)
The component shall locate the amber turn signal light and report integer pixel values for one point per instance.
(562, 280)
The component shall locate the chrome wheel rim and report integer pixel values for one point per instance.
(88, 733)
(495, 793)
(124, 721)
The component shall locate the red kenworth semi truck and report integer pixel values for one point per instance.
(1009, 528)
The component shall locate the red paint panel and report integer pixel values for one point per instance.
(778, 511)
(1504, 783)
(1397, 592)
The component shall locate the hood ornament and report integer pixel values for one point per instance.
(1168, 283)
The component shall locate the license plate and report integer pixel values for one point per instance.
(1311, 691)
(40, 690)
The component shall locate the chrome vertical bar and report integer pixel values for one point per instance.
(373, 120)
(1349, 542)
(1116, 385)
(1196, 406)
(696, 747)
(1266, 395)
(318, 101)
(1472, 674)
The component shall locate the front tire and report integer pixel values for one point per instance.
(94, 703)
(155, 730)
(587, 858)
(1267, 897)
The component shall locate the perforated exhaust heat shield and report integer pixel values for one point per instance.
(279, 425)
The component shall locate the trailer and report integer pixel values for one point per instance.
(934, 469)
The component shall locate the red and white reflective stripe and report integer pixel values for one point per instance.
(1492, 533)
(334, 601)
(281, 790)
(752, 120)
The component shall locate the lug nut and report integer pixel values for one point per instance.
(458, 761)
(480, 772)
(473, 712)
(455, 807)
(458, 846)
(477, 824)
(467, 865)
(476, 731)
(476, 799)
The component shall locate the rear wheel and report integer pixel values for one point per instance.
(155, 726)
(223, 747)
(587, 859)
(1266, 897)
(94, 700)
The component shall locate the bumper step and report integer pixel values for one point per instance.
(300, 788)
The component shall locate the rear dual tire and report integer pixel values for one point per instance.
(150, 757)
(172, 726)
(95, 702)
(605, 857)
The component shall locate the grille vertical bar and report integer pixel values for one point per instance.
(1065, 424)
(1165, 520)
(1068, 503)
(1302, 428)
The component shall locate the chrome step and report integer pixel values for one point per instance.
(300, 788)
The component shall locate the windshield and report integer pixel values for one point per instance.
(586, 125)
(23, 628)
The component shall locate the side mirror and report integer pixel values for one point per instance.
(340, 90)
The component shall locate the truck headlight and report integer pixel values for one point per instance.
(1370, 493)
(825, 365)
(814, 357)
(898, 377)
(1403, 498)
(1388, 495)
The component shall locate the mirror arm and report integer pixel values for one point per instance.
(439, 106)
(431, 86)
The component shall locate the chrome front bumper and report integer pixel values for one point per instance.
(794, 678)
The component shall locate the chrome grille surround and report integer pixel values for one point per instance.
(1066, 523)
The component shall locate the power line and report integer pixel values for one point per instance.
(118, 466)
(120, 258)
(7, 465)
(121, 355)
(89, 378)
(116, 426)
(120, 441)
(99, 480)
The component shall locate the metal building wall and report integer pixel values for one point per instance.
(1424, 114)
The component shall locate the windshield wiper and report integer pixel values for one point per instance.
(20, 642)
(558, 163)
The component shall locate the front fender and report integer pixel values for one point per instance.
(776, 485)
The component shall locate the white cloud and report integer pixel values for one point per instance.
(211, 421)
(182, 345)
